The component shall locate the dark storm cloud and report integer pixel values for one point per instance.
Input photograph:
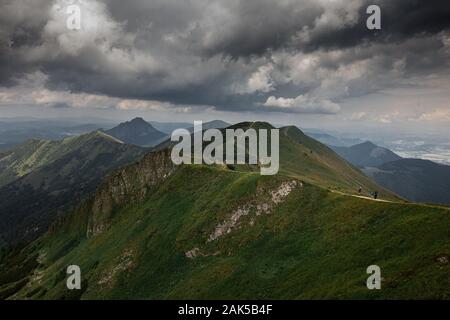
(288, 55)
(21, 24)
(401, 19)
(405, 18)
(260, 26)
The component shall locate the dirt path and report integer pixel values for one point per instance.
(389, 201)
(369, 198)
(363, 197)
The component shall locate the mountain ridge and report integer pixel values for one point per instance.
(61, 175)
(155, 231)
(274, 245)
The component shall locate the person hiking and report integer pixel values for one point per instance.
(375, 195)
(360, 190)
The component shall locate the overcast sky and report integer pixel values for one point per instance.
(307, 62)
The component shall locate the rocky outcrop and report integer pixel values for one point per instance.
(125, 263)
(272, 198)
(127, 185)
(277, 196)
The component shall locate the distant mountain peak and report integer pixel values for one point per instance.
(137, 131)
(138, 120)
(367, 144)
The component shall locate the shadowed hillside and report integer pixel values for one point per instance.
(415, 179)
(366, 154)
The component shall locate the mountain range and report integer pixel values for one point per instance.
(153, 230)
(40, 179)
(18, 130)
(366, 154)
(142, 133)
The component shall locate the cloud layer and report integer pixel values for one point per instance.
(291, 56)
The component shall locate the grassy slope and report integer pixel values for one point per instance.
(23, 159)
(312, 161)
(309, 160)
(316, 244)
(34, 154)
(57, 174)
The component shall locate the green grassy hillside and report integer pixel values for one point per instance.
(290, 240)
(307, 159)
(33, 154)
(155, 231)
(55, 175)
(26, 157)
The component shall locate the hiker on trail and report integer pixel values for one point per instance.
(360, 190)
(375, 195)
